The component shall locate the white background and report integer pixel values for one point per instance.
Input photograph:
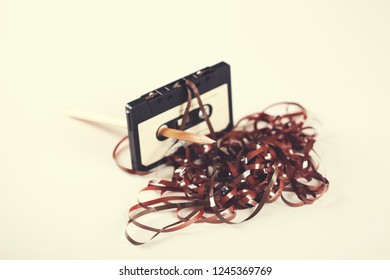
(61, 195)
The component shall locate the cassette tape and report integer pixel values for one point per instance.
(165, 107)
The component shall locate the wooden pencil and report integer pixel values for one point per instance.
(163, 131)
(185, 136)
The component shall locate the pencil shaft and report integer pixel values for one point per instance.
(163, 131)
(96, 118)
(185, 136)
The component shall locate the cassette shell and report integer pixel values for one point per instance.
(156, 105)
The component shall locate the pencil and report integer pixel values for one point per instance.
(185, 136)
(163, 131)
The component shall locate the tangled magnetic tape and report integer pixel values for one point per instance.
(264, 157)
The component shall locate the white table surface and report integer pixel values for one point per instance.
(62, 196)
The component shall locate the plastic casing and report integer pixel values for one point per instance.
(146, 114)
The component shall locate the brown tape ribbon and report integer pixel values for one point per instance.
(264, 157)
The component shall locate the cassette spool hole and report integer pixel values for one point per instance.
(207, 109)
(158, 136)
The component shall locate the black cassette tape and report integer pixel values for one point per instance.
(165, 107)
